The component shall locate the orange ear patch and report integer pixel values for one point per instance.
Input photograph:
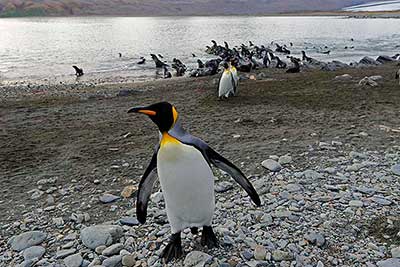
(175, 114)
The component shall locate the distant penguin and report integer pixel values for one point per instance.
(159, 63)
(296, 67)
(291, 44)
(235, 76)
(193, 55)
(398, 75)
(167, 74)
(200, 64)
(280, 64)
(120, 55)
(182, 163)
(305, 57)
(226, 45)
(142, 61)
(179, 67)
(213, 65)
(78, 71)
(266, 60)
(227, 83)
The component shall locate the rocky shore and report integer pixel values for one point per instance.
(321, 148)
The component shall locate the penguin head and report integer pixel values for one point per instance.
(225, 65)
(163, 114)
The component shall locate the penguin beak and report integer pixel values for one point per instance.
(143, 110)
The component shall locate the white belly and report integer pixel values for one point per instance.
(225, 85)
(187, 183)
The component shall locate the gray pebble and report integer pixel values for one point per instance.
(112, 250)
(74, 260)
(113, 261)
(271, 165)
(26, 240)
(34, 252)
(108, 198)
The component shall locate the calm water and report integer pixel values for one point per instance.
(45, 48)
(376, 6)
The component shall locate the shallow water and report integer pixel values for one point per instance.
(46, 48)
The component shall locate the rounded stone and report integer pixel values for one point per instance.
(34, 252)
(112, 250)
(113, 261)
(395, 252)
(99, 235)
(74, 260)
(196, 258)
(128, 260)
(260, 252)
(27, 240)
(271, 165)
(396, 169)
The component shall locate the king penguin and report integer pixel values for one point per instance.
(183, 164)
(235, 78)
(227, 82)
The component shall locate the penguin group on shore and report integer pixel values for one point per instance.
(182, 163)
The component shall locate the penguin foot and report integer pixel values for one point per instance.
(174, 248)
(208, 237)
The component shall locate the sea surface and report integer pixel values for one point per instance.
(376, 6)
(44, 49)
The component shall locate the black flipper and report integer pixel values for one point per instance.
(233, 84)
(227, 166)
(145, 187)
(216, 159)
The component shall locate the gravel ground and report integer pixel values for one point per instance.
(323, 153)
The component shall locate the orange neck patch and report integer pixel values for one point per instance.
(167, 139)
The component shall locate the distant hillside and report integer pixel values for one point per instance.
(14, 8)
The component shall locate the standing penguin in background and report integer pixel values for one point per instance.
(183, 164)
(235, 78)
(398, 75)
(227, 83)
